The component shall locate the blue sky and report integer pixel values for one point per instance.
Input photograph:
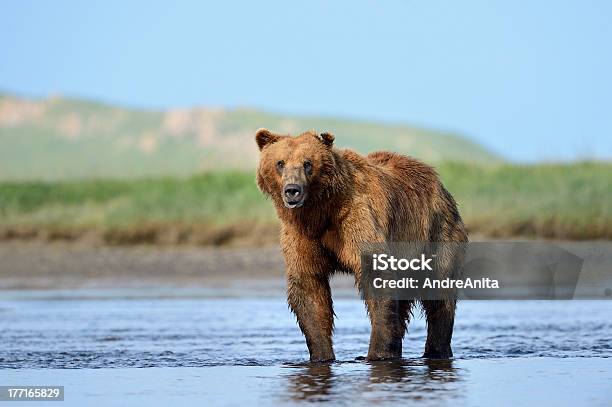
(529, 79)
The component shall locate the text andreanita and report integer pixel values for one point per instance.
(410, 282)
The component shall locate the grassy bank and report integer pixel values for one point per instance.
(552, 201)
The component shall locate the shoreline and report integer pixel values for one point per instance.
(223, 271)
(35, 265)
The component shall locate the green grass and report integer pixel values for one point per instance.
(572, 201)
(209, 198)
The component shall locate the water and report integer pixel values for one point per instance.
(478, 382)
(246, 349)
(94, 332)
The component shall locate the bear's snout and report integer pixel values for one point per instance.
(293, 195)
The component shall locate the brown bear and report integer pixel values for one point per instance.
(329, 201)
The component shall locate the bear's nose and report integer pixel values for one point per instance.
(292, 191)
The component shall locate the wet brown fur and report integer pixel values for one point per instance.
(382, 197)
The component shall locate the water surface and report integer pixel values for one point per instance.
(245, 349)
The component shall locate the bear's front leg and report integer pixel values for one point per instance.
(309, 295)
(440, 320)
(388, 318)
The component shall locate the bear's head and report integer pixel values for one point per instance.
(295, 170)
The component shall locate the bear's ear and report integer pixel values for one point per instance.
(263, 137)
(327, 139)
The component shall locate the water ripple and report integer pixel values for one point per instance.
(90, 333)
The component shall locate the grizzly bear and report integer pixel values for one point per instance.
(329, 201)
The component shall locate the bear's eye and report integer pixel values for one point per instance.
(280, 165)
(307, 166)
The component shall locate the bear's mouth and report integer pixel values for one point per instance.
(293, 204)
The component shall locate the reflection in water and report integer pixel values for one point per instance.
(420, 379)
(313, 382)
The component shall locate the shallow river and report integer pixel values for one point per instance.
(243, 350)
